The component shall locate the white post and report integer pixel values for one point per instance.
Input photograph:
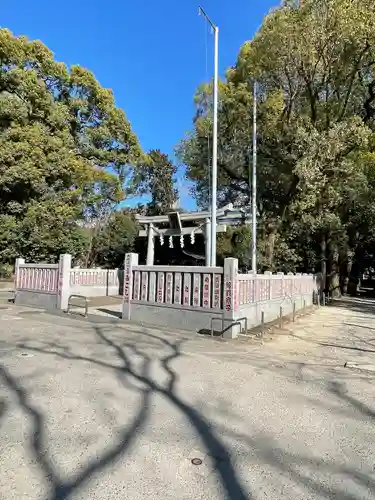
(207, 243)
(214, 149)
(230, 302)
(150, 246)
(254, 187)
(19, 261)
(131, 260)
(63, 289)
(214, 139)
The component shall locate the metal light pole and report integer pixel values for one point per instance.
(254, 186)
(214, 139)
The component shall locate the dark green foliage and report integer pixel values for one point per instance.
(60, 133)
(315, 67)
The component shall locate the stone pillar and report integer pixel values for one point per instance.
(150, 245)
(63, 286)
(19, 261)
(207, 242)
(230, 302)
(131, 260)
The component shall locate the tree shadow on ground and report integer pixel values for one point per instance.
(369, 342)
(339, 390)
(337, 346)
(62, 489)
(364, 306)
(356, 325)
(127, 373)
(345, 347)
(138, 378)
(3, 408)
(116, 314)
(341, 402)
(333, 377)
(307, 470)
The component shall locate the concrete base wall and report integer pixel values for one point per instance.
(36, 299)
(199, 319)
(94, 291)
(172, 317)
(271, 309)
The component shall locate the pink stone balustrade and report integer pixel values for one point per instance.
(51, 285)
(174, 296)
(201, 287)
(92, 277)
(262, 287)
(37, 277)
(95, 282)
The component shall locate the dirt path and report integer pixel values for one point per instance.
(340, 333)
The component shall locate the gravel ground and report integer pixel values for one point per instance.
(105, 410)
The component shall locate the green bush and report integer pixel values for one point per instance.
(6, 271)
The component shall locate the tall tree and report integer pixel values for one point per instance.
(156, 179)
(314, 64)
(61, 136)
(113, 241)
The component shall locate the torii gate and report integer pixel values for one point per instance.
(176, 220)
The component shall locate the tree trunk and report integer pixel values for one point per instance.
(345, 271)
(271, 247)
(334, 275)
(323, 260)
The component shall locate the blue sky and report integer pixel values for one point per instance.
(152, 53)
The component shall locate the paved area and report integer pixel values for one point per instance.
(105, 410)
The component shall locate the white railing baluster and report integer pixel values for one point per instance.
(196, 290)
(187, 289)
(152, 285)
(207, 278)
(169, 288)
(144, 293)
(160, 287)
(137, 285)
(177, 288)
(217, 291)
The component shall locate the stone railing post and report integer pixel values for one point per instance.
(230, 302)
(19, 261)
(131, 260)
(150, 245)
(63, 284)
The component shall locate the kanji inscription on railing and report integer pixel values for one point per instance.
(206, 290)
(196, 289)
(217, 291)
(187, 289)
(160, 288)
(177, 288)
(168, 288)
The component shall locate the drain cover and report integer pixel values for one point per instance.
(196, 461)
